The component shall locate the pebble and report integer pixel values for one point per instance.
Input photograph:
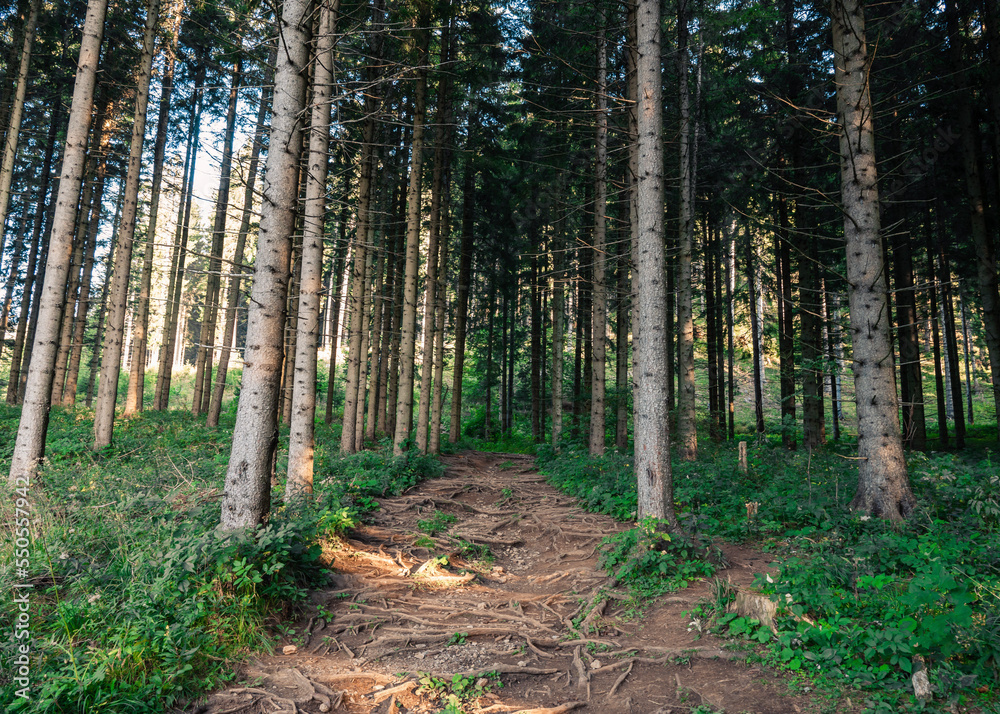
(420, 655)
(595, 664)
(522, 663)
(289, 649)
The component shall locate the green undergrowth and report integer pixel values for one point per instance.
(861, 602)
(138, 600)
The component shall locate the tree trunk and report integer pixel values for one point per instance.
(511, 360)
(301, 435)
(914, 427)
(462, 289)
(408, 327)
(82, 232)
(111, 354)
(811, 344)
(14, 126)
(255, 437)
(29, 447)
(711, 328)
(599, 297)
(730, 249)
(490, 311)
(161, 399)
(558, 316)
(206, 352)
(353, 390)
(939, 389)
(338, 268)
(379, 348)
(687, 433)
(883, 486)
(26, 306)
(985, 249)
(392, 389)
(954, 386)
(95, 353)
(967, 344)
(755, 332)
(233, 295)
(652, 441)
(83, 301)
(621, 347)
(535, 354)
(140, 329)
(786, 343)
(434, 437)
(366, 322)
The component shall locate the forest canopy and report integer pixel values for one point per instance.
(642, 230)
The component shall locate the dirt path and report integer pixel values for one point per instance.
(526, 610)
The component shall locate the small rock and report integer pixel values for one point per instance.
(921, 685)
(481, 606)
(482, 682)
(421, 646)
(522, 663)
(595, 664)
(289, 649)
(420, 655)
(378, 687)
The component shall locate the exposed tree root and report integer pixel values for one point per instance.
(553, 710)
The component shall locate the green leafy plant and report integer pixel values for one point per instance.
(437, 524)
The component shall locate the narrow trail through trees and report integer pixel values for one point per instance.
(511, 586)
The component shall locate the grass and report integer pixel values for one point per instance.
(138, 602)
(870, 597)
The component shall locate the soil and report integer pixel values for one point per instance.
(396, 613)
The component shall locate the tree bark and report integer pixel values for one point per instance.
(95, 353)
(404, 398)
(786, 342)
(140, 329)
(255, 437)
(687, 433)
(168, 343)
(438, 187)
(29, 447)
(82, 232)
(811, 326)
(13, 128)
(883, 485)
(558, 332)
(599, 299)
(83, 301)
(939, 393)
(914, 426)
(951, 340)
(462, 289)
(111, 355)
(201, 401)
(301, 435)
(233, 295)
(652, 441)
(758, 396)
(985, 248)
(31, 268)
(434, 437)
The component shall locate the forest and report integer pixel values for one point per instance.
(487, 355)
